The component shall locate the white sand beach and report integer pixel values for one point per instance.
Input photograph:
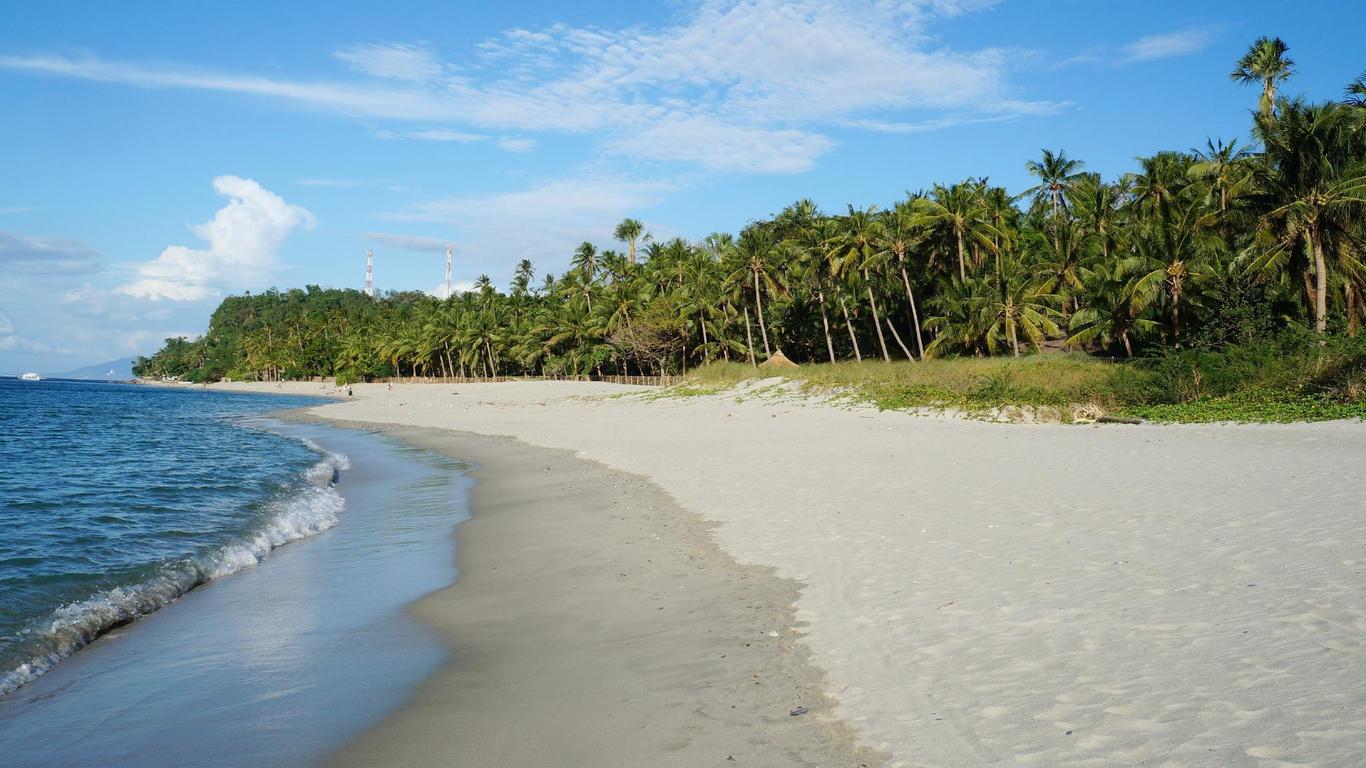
(975, 593)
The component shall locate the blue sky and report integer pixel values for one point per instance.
(157, 159)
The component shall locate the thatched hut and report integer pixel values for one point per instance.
(778, 360)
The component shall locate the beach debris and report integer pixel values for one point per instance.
(799, 711)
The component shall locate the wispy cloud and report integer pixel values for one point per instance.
(242, 243)
(408, 242)
(568, 211)
(737, 85)
(13, 209)
(1167, 45)
(514, 144)
(432, 134)
(40, 254)
(396, 61)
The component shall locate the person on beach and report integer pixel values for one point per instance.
(391, 386)
(348, 390)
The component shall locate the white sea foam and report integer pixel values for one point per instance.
(312, 509)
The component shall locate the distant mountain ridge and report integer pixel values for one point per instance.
(113, 370)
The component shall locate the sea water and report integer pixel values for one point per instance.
(150, 612)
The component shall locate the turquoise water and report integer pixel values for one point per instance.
(115, 500)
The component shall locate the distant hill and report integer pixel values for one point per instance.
(122, 370)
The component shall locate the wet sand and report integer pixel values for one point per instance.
(595, 623)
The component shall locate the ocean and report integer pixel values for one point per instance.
(144, 581)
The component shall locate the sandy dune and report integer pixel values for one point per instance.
(1022, 595)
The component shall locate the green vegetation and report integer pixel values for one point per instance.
(1223, 282)
(1284, 378)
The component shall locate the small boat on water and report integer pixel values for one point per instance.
(30, 377)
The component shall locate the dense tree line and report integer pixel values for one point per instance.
(1208, 247)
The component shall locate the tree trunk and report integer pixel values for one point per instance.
(1320, 283)
(915, 313)
(849, 325)
(1128, 348)
(877, 322)
(825, 322)
(899, 342)
(962, 265)
(1014, 340)
(749, 339)
(759, 307)
(706, 353)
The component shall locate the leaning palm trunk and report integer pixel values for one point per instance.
(706, 353)
(877, 321)
(749, 340)
(891, 327)
(759, 307)
(915, 313)
(825, 323)
(853, 339)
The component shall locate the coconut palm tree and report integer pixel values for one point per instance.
(1310, 188)
(629, 231)
(1355, 93)
(860, 238)
(958, 215)
(1265, 63)
(754, 259)
(1056, 174)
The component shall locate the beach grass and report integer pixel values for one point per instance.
(1283, 380)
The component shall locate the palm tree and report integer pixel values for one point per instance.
(1311, 187)
(1097, 206)
(1019, 305)
(1266, 63)
(860, 238)
(958, 214)
(901, 238)
(1355, 93)
(754, 254)
(1109, 314)
(1221, 165)
(1056, 174)
(629, 231)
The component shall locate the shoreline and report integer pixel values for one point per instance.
(281, 663)
(978, 592)
(596, 622)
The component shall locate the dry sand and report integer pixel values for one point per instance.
(1023, 595)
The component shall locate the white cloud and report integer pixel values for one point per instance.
(38, 254)
(432, 134)
(1167, 45)
(511, 144)
(718, 145)
(243, 239)
(397, 61)
(408, 242)
(9, 342)
(569, 211)
(10, 210)
(757, 79)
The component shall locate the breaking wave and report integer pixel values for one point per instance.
(311, 508)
